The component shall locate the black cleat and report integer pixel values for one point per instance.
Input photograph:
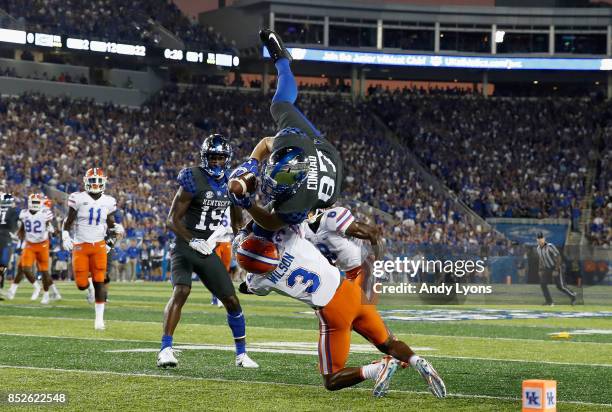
(573, 302)
(274, 44)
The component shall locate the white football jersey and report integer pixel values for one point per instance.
(331, 240)
(91, 216)
(35, 225)
(303, 273)
(226, 222)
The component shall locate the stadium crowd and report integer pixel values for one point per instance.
(600, 228)
(503, 157)
(143, 150)
(112, 20)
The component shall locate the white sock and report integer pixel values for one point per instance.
(90, 288)
(371, 371)
(36, 285)
(14, 287)
(413, 360)
(54, 289)
(99, 312)
(45, 294)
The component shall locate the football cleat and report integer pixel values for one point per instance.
(56, 296)
(45, 299)
(91, 297)
(9, 295)
(36, 292)
(166, 358)
(274, 44)
(243, 361)
(381, 385)
(433, 380)
(99, 325)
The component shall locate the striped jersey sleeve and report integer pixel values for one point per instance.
(338, 219)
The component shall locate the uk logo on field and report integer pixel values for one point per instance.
(532, 398)
(551, 398)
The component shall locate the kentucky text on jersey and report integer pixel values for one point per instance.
(282, 268)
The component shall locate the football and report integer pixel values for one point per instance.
(257, 255)
(243, 185)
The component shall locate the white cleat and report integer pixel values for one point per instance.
(9, 295)
(243, 361)
(56, 296)
(36, 292)
(433, 380)
(45, 299)
(99, 325)
(381, 385)
(166, 358)
(91, 297)
(219, 304)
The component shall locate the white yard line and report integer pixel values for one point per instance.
(195, 378)
(565, 342)
(264, 347)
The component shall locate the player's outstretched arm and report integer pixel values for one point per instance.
(365, 231)
(21, 231)
(265, 219)
(236, 218)
(263, 149)
(179, 207)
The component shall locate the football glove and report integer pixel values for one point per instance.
(244, 202)
(200, 246)
(252, 166)
(67, 240)
(119, 229)
(240, 236)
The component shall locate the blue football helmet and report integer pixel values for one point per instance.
(284, 172)
(215, 144)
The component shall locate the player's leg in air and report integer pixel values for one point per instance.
(283, 110)
(334, 345)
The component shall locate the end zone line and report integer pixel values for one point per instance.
(231, 348)
(195, 378)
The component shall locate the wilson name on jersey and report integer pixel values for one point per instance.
(35, 225)
(91, 216)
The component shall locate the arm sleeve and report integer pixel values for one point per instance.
(186, 181)
(293, 218)
(112, 205)
(338, 220)
(259, 285)
(72, 201)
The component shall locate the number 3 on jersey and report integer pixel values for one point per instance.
(303, 277)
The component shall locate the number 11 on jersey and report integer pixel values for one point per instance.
(91, 216)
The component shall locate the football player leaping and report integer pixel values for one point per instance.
(303, 172)
(195, 217)
(93, 212)
(35, 225)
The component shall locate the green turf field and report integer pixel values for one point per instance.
(483, 362)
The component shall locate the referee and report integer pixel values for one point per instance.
(549, 266)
